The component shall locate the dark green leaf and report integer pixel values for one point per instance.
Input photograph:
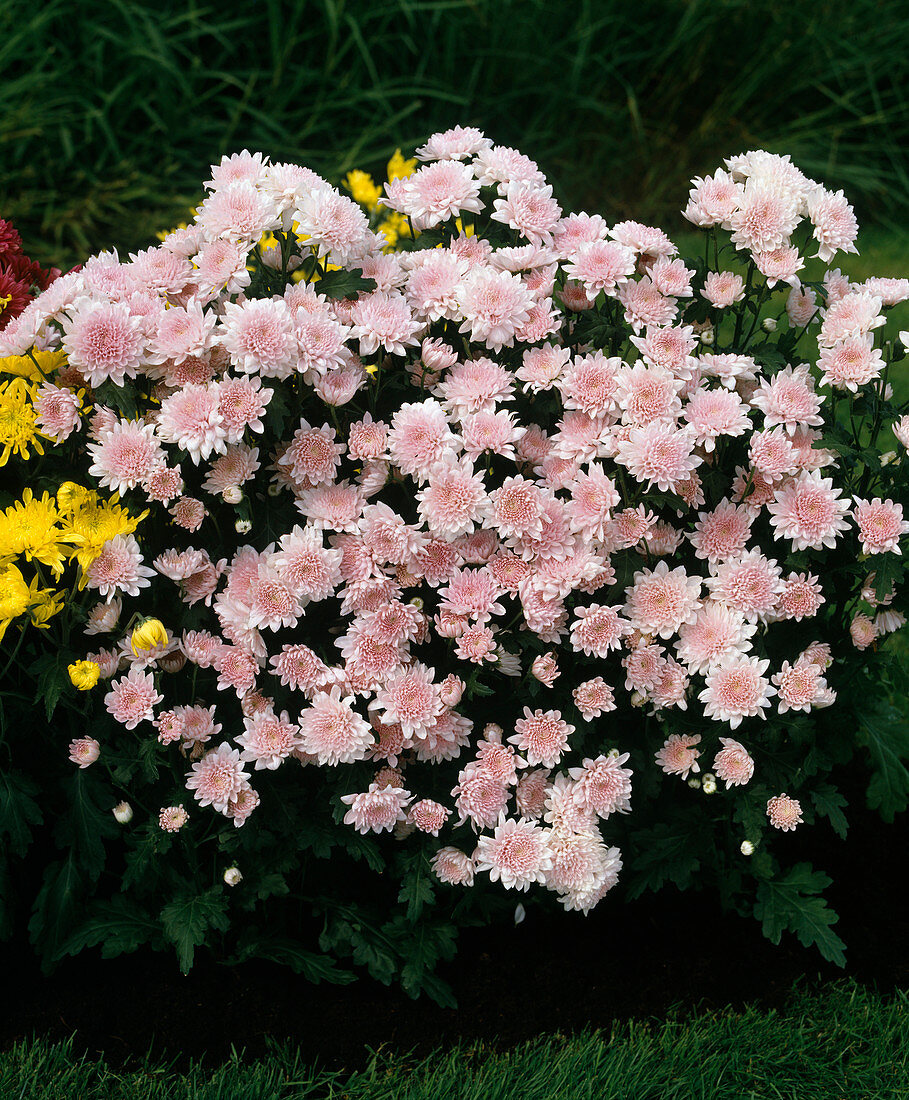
(119, 925)
(885, 732)
(792, 902)
(666, 853)
(344, 284)
(287, 952)
(84, 826)
(830, 803)
(187, 919)
(18, 810)
(57, 906)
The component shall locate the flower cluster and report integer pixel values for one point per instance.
(406, 449)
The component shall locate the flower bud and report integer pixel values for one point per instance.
(83, 675)
(274, 489)
(708, 783)
(694, 783)
(747, 848)
(706, 337)
(243, 526)
(232, 876)
(123, 812)
(769, 324)
(147, 635)
(233, 494)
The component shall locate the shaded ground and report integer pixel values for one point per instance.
(558, 972)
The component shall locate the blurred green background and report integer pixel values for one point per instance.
(112, 110)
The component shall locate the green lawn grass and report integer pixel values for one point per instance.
(846, 1043)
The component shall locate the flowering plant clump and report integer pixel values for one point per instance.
(444, 533)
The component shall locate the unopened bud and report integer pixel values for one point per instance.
(706, 337)
(769, 324)
(233, 494)
(243, 526)
(232, 876)
(274, 489)
(708, 783)
(747, 848)
(123, 812)
(694, 783)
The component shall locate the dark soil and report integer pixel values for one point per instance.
(558, 972)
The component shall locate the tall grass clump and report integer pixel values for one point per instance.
(119, 105)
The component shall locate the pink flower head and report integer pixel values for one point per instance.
(737, 689)
(545, 668)
(835, 225)
(542, 736)
(428, 816)
(440, 191)
(268, 739)
(132, 699)
(494, 304)
(723, 288)
(517, 854)
(715, 413)
(332, 731)
(789, 399)
(801, 687)
(784, 812)
(335, 225)
(376, 810)
(809, 511)
(733, 764)
(84, 751)
(800, 598)
(602, 785)
(598, 630)
(172, 818)
(452, 866)
(678, 756)
(661, 600)
(123, 456)
(530, 209)
(217, 778)
(119, 568)
(881, 525)
(722, 533)
(104, 341)
(58, 411)
(851, 362)
(593, 698)
(717, 632)
(658, 454)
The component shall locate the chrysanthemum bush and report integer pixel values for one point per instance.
(400, 554)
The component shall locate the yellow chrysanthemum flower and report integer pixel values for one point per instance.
(34, 367)
(29, 527)
(363, 189)
(48, 604)
(399, 168)
(84, 674)
(15, 596)
(71, 496)
(92, 523)
(148, 635)
(395, 226)
(17, 421)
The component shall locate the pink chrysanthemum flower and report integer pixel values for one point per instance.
(58, 411)
(367, 439)
(237, 669)
(332, 731)
(268, 739)
(419, 437)
(335, 225)
(593, 698)
(298, 667)
(784, 812)
(476, 386)
(779, 265)
(542, 736)
(531, 793)
(501, 164)
(712, 199)
(881, 525)
(428, 816)
(851, 362)
(852, 315)
(809, 511)
(172, 818)
(644, 305)
(800, 597)
(658, 454)
(440, 191)
(480, 796)
(545, 668)
(598, 629)
(458, 143)
(863, 631)
(303, 563)
(602, 785)
(764, 218)
(476, 644)
(718, 632)
(678, 756)
(517, 854)
(188, 512)
(723, 288)
(119, 568)
(496, 432)
(750, 584)
(789, 399)
(645, 393)
(132, 699)
(258, 334)
(773, 454)
(123, 456)
(715, 413)
(217, 778)
(192, 419)
(104, 341)
(313, 455)
(221, 265)
(722, 533)
(494, 304)
(84, 751)
(662, 600)
(384, 320)
(452, 866)
(411, 699)
(733, 764)
(376, 810)
(530, 209)
(835, 224)
(235, 467)
(800, 686)
(431, 288)
(454, 501)
(737, 689)
(542, 366)
(237, 212)
(474, 593)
